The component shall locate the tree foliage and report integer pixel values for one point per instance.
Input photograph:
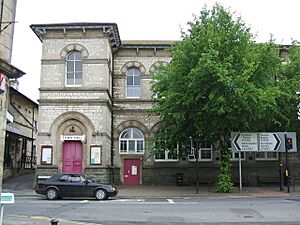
(220, 80)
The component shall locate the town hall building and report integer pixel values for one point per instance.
(95, 96)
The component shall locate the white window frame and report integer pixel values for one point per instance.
(266, 158)
(192, 157)
(136, 141)
(133, 86)
(233, 157)
(167, 159)
(74, 72)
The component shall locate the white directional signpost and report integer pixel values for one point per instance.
(6, 198)
(254, 142)
(246, 142)
(261, 142)
(269, 142)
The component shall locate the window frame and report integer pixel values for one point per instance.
(74, 69)
(126, 142)
(191, 157)
(134, 77)
(234, 158)
(166, 154)
(266, 158)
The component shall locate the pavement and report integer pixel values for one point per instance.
(23, 186)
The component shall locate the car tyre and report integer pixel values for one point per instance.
(101, 194)
(52, 194)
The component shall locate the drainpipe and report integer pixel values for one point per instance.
(1, 15)
(112, 121)
(33, 129)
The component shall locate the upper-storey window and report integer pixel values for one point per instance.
(74, 68)
(133, 85)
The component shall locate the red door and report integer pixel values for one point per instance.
(131, 171)
(72, 156)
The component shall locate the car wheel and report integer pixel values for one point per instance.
(101, 194)
(52, 194)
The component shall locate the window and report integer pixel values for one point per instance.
(131, 141)
(75, 179)
(165, 154)
(205, 153)
(266, 156)
(64, 178)
(235, 155)
(74, 68)
(133, 85)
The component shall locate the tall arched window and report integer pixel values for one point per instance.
(131, 141)
(74, 68)
(133, 85)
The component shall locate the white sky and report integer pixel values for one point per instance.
(140, 20)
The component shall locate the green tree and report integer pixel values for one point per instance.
(220, 80)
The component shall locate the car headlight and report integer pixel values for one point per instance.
(113, 188)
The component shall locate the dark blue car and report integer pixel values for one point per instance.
(74, 185)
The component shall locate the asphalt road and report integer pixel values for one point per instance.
(176, 211)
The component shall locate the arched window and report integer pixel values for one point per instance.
(133, 85)
(74, 68)
(131, 141)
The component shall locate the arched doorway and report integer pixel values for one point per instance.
(72, 136)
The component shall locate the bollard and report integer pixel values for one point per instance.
(54, 222)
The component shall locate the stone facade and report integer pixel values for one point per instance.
(7, 72)
(107, 113)
(21, 133)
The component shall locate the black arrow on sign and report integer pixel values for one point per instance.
(278, 142)
(235, 142)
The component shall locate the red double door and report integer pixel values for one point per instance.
(72, 156)
(132, 171)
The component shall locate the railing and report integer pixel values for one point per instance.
(29, 162)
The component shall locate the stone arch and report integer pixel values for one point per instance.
(157, 65)
(74, 47)
(72, 116)
(154, 129)
(131, 64)
(131, 123)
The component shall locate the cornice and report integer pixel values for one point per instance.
(107, 28)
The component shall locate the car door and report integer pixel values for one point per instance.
(62, 184)
(77, 186)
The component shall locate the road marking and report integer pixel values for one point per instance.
(171, 201)
(84, 201)
(39, 217)
(127, 200)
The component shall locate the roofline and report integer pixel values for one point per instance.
(9, 70)
(109, 28)
(24, 96)
(147, 44)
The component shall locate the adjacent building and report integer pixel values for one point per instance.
(21, 132)
(94, 114)
(8, 72)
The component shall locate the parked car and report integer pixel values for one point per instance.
(74, 185)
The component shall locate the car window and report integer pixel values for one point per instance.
(63, 178)
(75, 179)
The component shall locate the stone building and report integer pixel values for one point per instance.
(21, 132)
(8, 72)
(94, 110)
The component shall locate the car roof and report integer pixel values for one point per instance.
(56, 176)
